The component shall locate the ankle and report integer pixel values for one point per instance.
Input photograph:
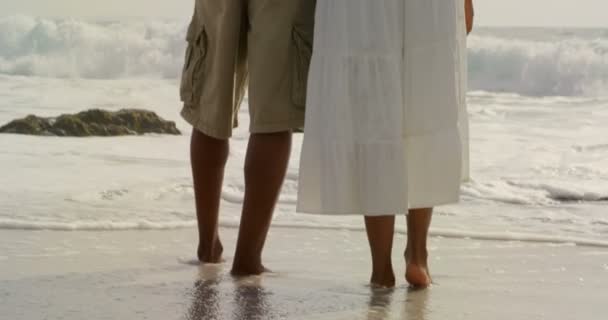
(209, 238)
(210, 251)
(247, 260)
(385, 278)
(416, 256)
(383, 275)
(242, 268)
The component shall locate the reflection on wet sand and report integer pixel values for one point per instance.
(251, 301)
(416, 306)
(205, 297)
(217, 296)
(380, 304)
(210, 302)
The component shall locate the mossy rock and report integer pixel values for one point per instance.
(70, 126)
(97, 116)
(142, 121)
(94, 123)
(28, 125)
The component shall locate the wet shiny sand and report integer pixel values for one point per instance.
(318, 275)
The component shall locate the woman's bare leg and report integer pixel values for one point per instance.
(416, 254)
(380, 231)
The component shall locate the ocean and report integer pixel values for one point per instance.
(538, 105)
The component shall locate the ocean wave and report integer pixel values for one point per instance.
(565, 67)
(565, 193)
(169, 225)
(534, 193)
(64, 48)
(12, 224)
(74, 48)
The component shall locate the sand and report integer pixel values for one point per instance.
(319, 274)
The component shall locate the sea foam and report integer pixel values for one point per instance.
(566, 67)
(103, 50)
(544, 66)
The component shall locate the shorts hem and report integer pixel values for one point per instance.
(204, 127)
(277, 127)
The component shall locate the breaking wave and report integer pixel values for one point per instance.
(568, 66)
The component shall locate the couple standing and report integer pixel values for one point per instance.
(386, 127)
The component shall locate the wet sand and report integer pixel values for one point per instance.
(319, 274)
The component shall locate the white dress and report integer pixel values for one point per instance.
(386, 125)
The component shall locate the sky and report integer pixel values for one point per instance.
(570, 13)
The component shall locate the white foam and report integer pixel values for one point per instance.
(568, 193)
(543, 66)
(536, 193)
(149, 225)
(74, 48)
(562, 67)
(12, 224)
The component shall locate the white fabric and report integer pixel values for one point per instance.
(386, 124)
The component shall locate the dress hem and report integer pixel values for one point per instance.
(336, 212)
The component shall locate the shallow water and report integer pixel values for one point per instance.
(538, 135)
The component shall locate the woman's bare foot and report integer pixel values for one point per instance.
(380, 231)
(417, 276)
(210, 254)
(416, 254)
(385, 279)
(417, 271)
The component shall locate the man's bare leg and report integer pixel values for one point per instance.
(265, 169)
(416, 254)
(380, 231)
(208, 157)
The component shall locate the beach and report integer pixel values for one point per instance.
(317, 274)
(104, 227)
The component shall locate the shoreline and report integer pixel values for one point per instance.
(185, 225)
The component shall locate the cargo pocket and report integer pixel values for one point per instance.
(192, 74)
(302, 42)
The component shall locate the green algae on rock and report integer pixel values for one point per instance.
(93, 122)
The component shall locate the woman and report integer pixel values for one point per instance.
(386, 127)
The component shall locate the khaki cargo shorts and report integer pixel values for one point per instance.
(263, 46)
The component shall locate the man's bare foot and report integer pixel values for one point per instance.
(210, 255)
(245, 270)
(417, 271)
(386, 280)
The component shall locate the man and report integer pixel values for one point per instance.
(469, 14)
(232, 43)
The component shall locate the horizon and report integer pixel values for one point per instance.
(186, 20)
(490, 13)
